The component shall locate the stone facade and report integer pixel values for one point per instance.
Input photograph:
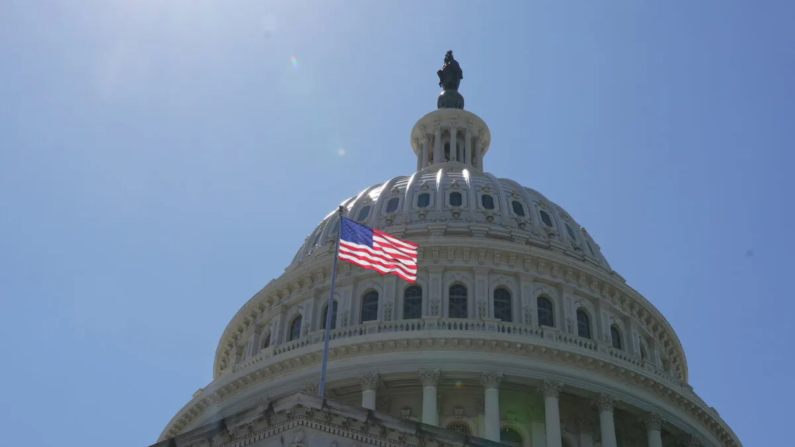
(524, 333)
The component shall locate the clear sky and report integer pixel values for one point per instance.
(161, 161)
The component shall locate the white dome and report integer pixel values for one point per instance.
(452, 199)
(515, 328)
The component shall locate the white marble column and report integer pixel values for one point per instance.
(491, 384)
(370, 383)
(551, 391)
(438, 151)
(478, 155)
(653, 423)
(424, 143)
(468, 148)
(605, 405)
(429, 379)
(454, 143)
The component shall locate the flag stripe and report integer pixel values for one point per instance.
(376, 250)
(405, 260)
(364, 256)
(380, 267)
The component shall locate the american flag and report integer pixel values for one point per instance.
(376, 250)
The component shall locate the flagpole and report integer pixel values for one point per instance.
(321, 391)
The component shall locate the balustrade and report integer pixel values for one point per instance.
(431, 326)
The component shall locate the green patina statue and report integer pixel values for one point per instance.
(450, 75)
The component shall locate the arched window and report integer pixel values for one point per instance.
(643, 354)
(615, 335)
(502, 305)
(510, 436)
(518, 208)
(392, 205)
(333, 316)
(457, 307)
(456, 199)
(370, 306)
(447, 151)
(459, 427)
(546, 316)
(571, 232)
(583, 324)
(423, 200)
(266, 341)
(295, 328)
(487, 201)
(412, 302)
(545, 218)
(363, 213)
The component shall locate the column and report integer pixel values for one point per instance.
(468, 148)
(491, 383)
(478, 155)
(605, 405)
(551, 391)
(429, 379)
(438, 151)
(369, 383)
(454, 144)
(424, 151)
(653, 423)
(416, 144)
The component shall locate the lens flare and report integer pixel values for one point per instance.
(341, 152)
(294, 61)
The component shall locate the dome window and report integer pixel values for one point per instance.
(615, 336)
(457, 306)
(456, 199)
(370, 306)
(510, 436)
(392, 205)
(487, 201)
(583, 324)
(643, 354)
(571, 232)
(412, 303)
(518, 208)
(502, 305)
(545, 218)
(546, 315)
(590, 249)
(333, 316)
(266, 341)
(363, 213)
(295, 328)
(423, 200)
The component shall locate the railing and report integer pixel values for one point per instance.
(431, 325)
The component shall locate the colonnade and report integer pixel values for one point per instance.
(432, 149)
(491, 381)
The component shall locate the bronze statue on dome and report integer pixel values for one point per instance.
(450, 75)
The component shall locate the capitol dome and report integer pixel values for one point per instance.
(517, 331)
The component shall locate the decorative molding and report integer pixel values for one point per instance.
(551, 388)
(604, 403)
(491, 379)
(369, 381)
(429, 377)
(652, 421)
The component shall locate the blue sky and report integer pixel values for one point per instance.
(161, 161)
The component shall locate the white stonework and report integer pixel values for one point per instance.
(511, 338)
